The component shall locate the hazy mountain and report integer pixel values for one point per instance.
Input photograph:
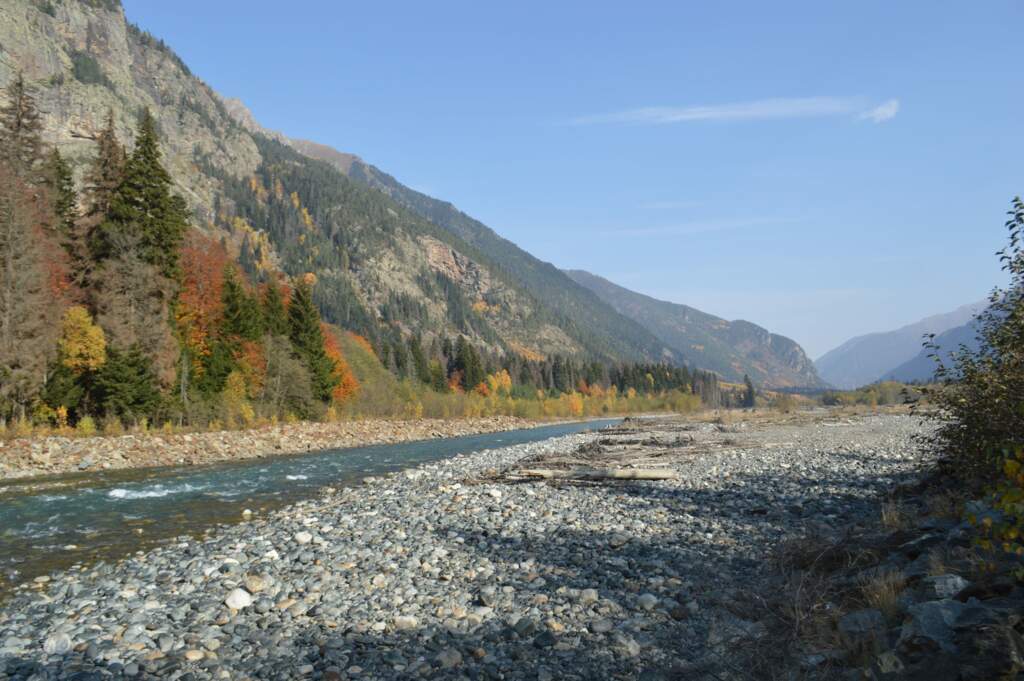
(922, 367)
(388, 260)
(730, 348)
(866, 359)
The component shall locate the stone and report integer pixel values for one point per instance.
(57, 644)
(449, 658)
(930, 626)
(944, 586)
(194, 655)
(588, 596)
(863, 630)
(647, 601)
(238, 599)
(618, 540)
(303, 537)
(405, 622)
(602, 626)
(255, 583)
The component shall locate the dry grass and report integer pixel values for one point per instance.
(882, 592)
(895, 516)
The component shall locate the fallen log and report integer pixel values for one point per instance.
(601, 473)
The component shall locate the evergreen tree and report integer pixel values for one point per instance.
(125, 385)
(21, 148)
(308, 340)
(104, 175)
(468, 362)
(419, 360)
(143, 206)
(275, 315)
(748, 393)
(242, 318)
(62, 196)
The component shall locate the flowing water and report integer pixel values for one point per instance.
(56, 522)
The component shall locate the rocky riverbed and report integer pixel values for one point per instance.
(455, 570)
(25, 457)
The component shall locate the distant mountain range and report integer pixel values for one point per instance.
(731, 349)
(896, 354)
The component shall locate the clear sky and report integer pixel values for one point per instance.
(823, 169)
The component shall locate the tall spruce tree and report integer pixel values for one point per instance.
(21, 147)
(242, 318)
(275, 315)
(104, 175)
(308, 340)
(143, 206)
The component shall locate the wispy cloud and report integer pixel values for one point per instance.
(762, 109)
(885, 111)
(669, 205)
(699, 227)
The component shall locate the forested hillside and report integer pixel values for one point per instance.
(167, 265)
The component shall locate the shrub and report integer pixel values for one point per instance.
(86, 427)
(87, 70)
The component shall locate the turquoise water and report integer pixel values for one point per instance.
(54, 523)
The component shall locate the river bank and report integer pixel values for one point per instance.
(456, 569)
(28, 457)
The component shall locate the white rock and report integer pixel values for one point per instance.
(238, 599)
(57, 644)
(303, 537)
(405, 622)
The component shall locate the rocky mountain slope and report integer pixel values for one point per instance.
(866, 359)
(385, 265)
(730, 348)
(921, 368)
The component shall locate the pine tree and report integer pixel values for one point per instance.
(419, 360)
(241, 310)
(748, 393)
(143, 206)
(308, 340)
(125, 386)
(104, 175)
(275, 315)
(21, 148)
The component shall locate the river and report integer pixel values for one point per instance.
(57, 522)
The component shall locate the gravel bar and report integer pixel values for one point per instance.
(446, 571)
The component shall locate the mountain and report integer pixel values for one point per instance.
(389, 262)
(730, 348)
(866, 359)
(921, 368)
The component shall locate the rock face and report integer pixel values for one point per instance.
(730, 348)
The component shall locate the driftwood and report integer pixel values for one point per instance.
(600, 473)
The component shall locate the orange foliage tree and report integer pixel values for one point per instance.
(199, 308)
(346, 384)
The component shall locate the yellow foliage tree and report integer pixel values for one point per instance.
(83, 347)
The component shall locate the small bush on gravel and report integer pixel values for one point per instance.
(980, 404)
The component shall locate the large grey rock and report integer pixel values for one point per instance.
(930, 625)
(863, 630)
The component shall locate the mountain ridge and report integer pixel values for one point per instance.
(867, 358)
(730, 348)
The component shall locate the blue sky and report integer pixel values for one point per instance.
(823, 169)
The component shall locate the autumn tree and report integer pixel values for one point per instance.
(346, 384)
(82, 344)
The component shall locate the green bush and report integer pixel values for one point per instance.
(87, 70)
